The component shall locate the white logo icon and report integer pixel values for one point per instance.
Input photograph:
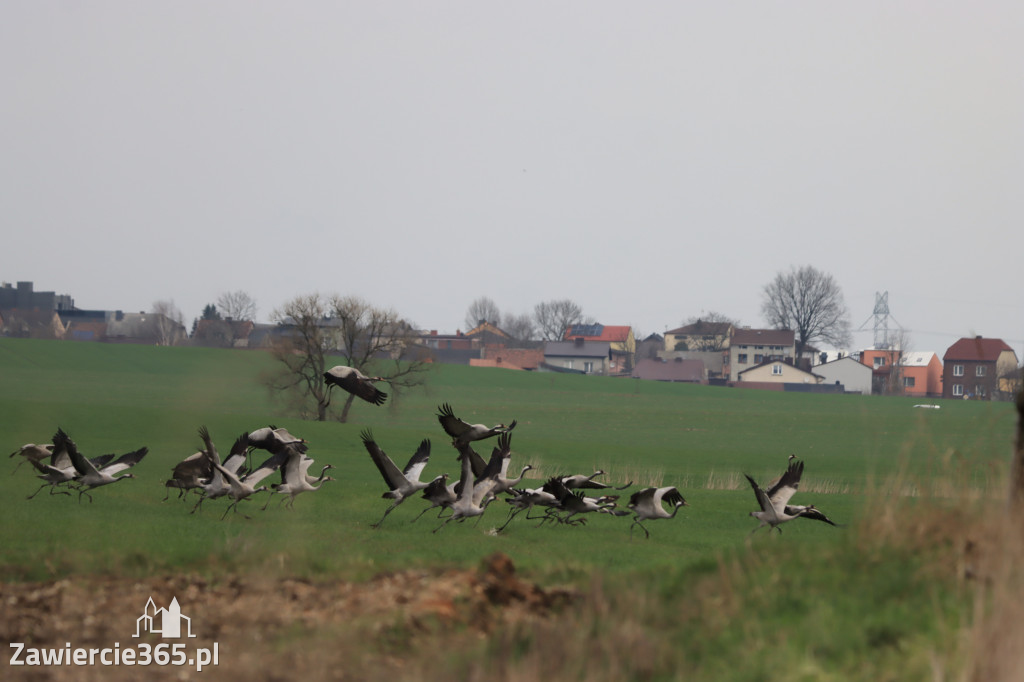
(165, 622)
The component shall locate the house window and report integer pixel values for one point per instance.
(979, 391)
(741, 358)
(758, 358)
(979, 371)
(879, 362)
(958, 371)
(908, 382)
(777, 370)
(588, 366)
(958, 389)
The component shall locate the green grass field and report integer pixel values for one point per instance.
(861, 453)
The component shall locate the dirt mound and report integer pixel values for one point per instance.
(265, 626)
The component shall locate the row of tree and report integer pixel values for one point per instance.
(344, 329)
(806, 300)
(548, 321)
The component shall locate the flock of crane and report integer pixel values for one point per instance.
(562, 499)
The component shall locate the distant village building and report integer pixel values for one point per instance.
(226, 333)
(510, 358)
(973, 368)
(579, 356)
(852, 374)
(24, 297)
(674, 370)
(699, 336)
(752, 347)
(779, 372)
(620, 339)
(32, 323)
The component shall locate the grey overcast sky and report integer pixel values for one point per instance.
(650, 161)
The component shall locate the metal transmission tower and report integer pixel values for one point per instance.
(883, 339)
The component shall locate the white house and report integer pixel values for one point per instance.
(778, 372)
(854, 375)
(579, 355)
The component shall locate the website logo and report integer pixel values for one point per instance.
(166, 622)
(169, 623)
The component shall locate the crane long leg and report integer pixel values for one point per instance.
(37, 492)
(532, 518)
(54, 491)
(231, 506)
(84, 492)
(636, 522)
(377, 525)
(425, 510)
(511, 516)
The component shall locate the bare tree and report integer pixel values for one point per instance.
(522, 328)
(317, 331)
(302, 348)
(810, 303)
(554, 317)
(379, 336)
(711, 316)
(168, 324)
(895, 355)
(482, 309)
(237, 305)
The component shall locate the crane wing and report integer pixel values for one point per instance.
(196, 464)
(762, 497)
(451, 424)
(125, 461)
(482, 488)
(82, 465)
(671, 495)
(785, 488)
(810, 513)
(292, 469)
(414, 469)
(477, 463)
(272, 464)
(391, 473)
(504, 451)
(355, 382)
(211, 449)
(59, 458)
(101, 461)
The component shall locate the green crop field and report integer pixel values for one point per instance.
(862, 453)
